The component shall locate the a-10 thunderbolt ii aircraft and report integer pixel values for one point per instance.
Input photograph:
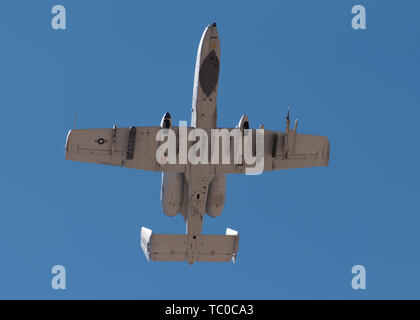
(194, 189)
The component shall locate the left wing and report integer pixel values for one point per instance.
(133, 147)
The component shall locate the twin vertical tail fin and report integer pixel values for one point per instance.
(173, 247)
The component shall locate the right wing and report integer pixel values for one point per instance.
(293, 150)
(284, 151)
(133, 147)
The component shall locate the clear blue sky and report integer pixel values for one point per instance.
(128, 62)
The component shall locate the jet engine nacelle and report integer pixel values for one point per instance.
(172, 192)
(216, 196)
(166, 122)
(243, 123)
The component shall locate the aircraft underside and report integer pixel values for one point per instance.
(195, 189)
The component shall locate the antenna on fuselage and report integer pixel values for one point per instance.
(74, 121)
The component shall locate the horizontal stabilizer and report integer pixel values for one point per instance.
(173, 247)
